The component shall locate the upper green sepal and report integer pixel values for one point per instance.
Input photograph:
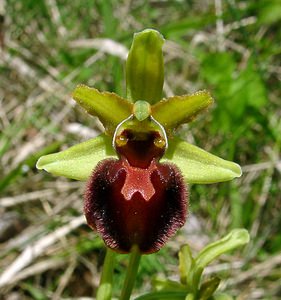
(145, 67)
(199, 166)
(177, 110)
(110, 108)
(78, 162)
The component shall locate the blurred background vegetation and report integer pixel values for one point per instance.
(231, 48)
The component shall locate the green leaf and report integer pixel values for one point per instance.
(163, 296)
(35, 292)
(178, 28)
(186, 263)
(269, 12)
(208, 288)
(78, 161)
(167, 285)
(177, 110)
(199, 166)
(249, 86)
(237, 91)
(145, 67)
(110, 108)
(221, 296)
(235, 239)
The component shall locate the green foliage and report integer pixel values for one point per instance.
(269, 12)
(237, 91)
(191, 286)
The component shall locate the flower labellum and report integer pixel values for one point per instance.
(136, 200)
(137, 170)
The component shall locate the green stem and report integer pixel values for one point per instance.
(105, 288)
(131, 273)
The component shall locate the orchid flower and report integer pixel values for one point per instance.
(137, 171)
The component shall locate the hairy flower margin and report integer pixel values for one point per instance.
(137, 170)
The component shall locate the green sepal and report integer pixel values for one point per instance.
(110, 108)
(77, 162)
(145, 67)
(176, 110)
(199, 166)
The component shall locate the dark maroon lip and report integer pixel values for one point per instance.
(135, 200)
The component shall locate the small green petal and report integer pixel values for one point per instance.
(177, 110)
(141, 110)
(199, 166)
(145, 67)
(110, 108)
(77, 162)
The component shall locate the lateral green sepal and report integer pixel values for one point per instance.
(176, 110)
(77, 162)
(199, 166)
(145, 67)
(110, 108)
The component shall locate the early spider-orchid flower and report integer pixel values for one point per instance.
(137, 171)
